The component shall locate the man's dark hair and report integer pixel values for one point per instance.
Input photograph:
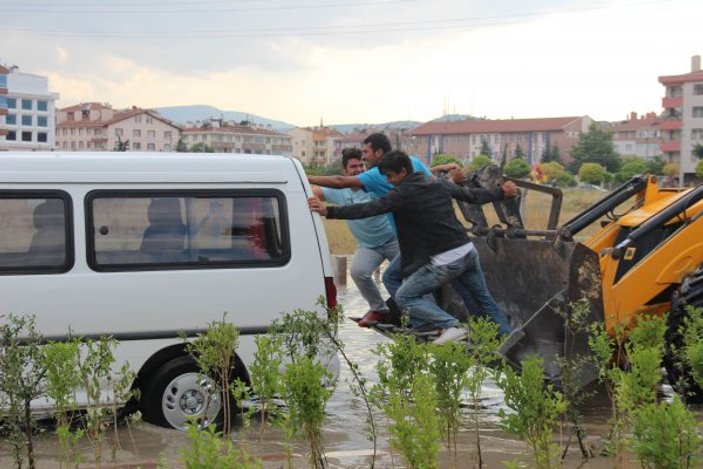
(395, 161)
(378, 141)
(350, 154)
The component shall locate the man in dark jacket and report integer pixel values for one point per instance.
(433, 243)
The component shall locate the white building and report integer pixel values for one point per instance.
(29, 123)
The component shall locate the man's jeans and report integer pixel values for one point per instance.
(467, 271)
(364, 262)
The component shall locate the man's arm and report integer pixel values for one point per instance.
(385, 204)
(456, 173)
(335, 182)
(475, 195)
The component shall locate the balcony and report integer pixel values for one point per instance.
(670, 146)
(671, 124)
(672, 102)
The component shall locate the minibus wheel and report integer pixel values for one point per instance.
(178, 394)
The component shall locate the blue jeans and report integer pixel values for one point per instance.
(467, 271)
(364, 262)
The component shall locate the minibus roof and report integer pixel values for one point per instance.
(144, 167)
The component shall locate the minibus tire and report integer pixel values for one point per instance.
(178, 393)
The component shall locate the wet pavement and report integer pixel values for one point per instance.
(346, 432)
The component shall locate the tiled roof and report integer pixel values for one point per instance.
(480, 126)
(680, 79)
(85, 106)
(118, 116)
(233, 129)
(635, 124)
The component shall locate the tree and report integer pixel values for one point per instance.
(517, 168)
(486, 148)
(596, 146)
(670, 169)
(441, 158)
(655, 165)
(201, 147)
(120, 145)
(479, 162)
(592, 173)
(631, 168)
(551, 154)
(518, 152)
(699, 169)
(698, 150)
(181, 146)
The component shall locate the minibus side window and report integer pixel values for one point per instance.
(203, 229)
(34, 234)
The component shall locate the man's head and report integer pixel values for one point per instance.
(375, 146)
(351, 162)
(396, 166)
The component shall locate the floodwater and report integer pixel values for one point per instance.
(346, 432)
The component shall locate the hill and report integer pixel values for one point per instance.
(201, 112)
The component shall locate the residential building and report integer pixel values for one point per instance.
(314, 145)
(99, 127)
(230, 137)
(638, 136)
(3, 103)
(682, 124)
(27, 110)
(465, 138)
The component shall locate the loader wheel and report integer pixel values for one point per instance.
(679, 372)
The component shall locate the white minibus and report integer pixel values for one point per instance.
(145, 246)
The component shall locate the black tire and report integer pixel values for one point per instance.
(178, 392)
(679, 373)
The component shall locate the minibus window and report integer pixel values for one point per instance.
(199, 230)
(34, 234)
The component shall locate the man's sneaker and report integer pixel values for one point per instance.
(453, 334)
(374, 316)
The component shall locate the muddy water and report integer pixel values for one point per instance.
(346, 434)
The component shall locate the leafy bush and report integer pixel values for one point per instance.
(479, 162)
(592, 173)
(440, 158)
(517, 168)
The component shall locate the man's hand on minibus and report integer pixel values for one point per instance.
(317, 206)
(510, 190)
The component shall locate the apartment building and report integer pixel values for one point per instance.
(27, 110)
(314, 145)
(230, 137)
(638, 136)
(3, 103)
(682, 124)
(464, 138)
(99, 127)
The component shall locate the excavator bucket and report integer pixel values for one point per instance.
(536, 282)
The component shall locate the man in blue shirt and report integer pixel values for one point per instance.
(375, 236)
(375, 146)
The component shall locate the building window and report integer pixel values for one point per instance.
(11, 119)
(138, 119)
(42, 105)
(167, 147)
(149, 120)
(167, 135)
(27, 120)
(42, 137)
(697, 134)
(26, 136)
(27, 104)
(698, 89)
(698, 111)
(42, 121)
(119, 132)
(11, 103)
(3, 101)
(11, 135)
(136, 133)
(80, 145)
(151, 133)
(151, 146)
(136, 146)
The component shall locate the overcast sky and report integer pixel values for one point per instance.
(351, 61)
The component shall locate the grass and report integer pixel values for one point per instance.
(342, 242)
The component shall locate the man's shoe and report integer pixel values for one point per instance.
(452, 334)
(374, 316)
